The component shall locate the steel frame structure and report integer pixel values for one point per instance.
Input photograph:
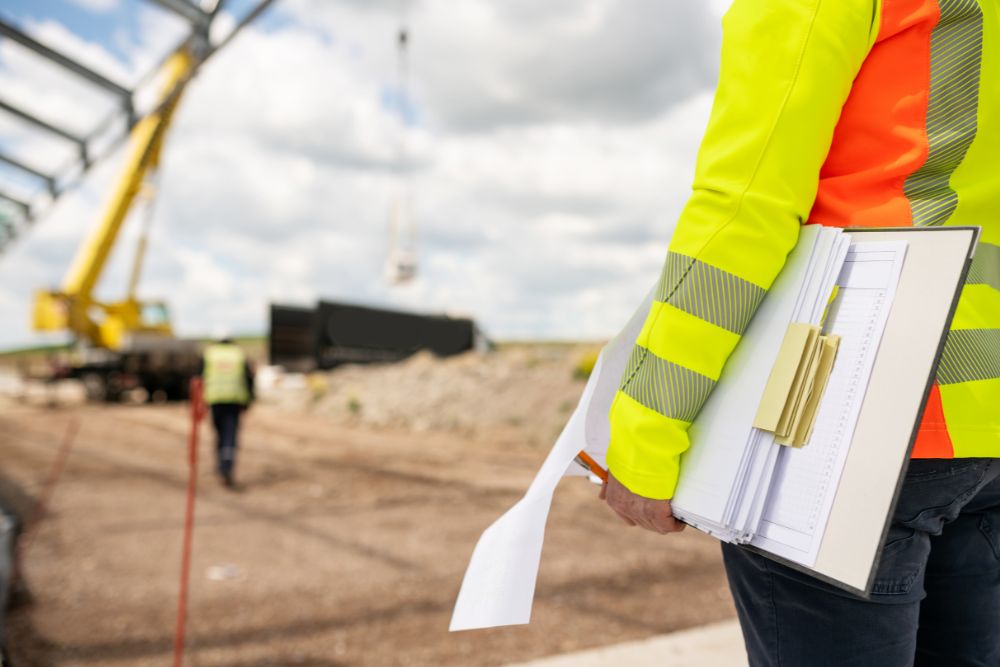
(56, 183)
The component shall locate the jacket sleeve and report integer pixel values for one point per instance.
(787, 68)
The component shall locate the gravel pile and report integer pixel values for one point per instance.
(518, 392)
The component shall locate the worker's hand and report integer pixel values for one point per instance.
(636, 510)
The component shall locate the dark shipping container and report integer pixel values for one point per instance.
(334, 333)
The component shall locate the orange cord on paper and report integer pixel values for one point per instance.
(594, 466)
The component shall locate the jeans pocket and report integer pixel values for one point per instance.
(988, 529)
(937, 495)
(903, 559)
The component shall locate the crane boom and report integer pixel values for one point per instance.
(74, 306)
(147, 138)
(128, 345)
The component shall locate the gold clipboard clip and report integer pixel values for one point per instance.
(796, 384)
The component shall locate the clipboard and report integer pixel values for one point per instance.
(498, 587)
(937, 263)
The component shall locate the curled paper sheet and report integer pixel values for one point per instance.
(499, 584)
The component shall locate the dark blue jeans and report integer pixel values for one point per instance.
(936, 599)
(226, 419)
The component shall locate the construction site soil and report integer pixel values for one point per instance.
(347, 537)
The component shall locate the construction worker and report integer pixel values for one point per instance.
(871, 113)
(228, 378)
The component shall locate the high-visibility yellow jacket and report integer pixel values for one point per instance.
(225, 374)
(833, 112)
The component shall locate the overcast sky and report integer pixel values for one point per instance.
(551, 148)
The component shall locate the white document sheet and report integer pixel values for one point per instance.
(499, 584)
(805, 480)
(729, 461)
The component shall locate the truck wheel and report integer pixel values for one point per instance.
(115, 389)
(95, 386)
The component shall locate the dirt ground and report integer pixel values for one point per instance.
(345, 545)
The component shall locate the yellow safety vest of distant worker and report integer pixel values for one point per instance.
(225, 374)
(868, 122)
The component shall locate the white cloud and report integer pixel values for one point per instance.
(97, 5)
(480, 64)
(553, 151)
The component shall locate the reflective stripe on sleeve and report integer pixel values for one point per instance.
(970, 355)
(663, 386)
(708, 292)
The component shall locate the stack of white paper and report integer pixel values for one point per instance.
(738, 484)
(735, 481)
(805, 480)
(727, 471)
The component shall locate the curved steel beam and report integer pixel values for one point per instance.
(49, 179)
(193, 14)
(21, 204)
(12, 33)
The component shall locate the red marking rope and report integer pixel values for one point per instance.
(38, 511)
(197, 414)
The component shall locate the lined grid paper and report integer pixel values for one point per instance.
(804, 482)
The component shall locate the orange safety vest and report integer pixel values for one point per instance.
(917, 144)
(833, 112)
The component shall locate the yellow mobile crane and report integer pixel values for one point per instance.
(111, 325)
(129, 344)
